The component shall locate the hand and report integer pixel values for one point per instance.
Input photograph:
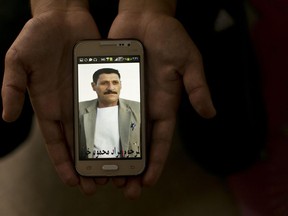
(172, 61)
(40, 60)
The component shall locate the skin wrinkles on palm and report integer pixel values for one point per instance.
(44, 65)
(168, 62)
(48, 71)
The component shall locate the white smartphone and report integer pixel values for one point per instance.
(109, 107)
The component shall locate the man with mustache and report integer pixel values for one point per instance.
(109, 125)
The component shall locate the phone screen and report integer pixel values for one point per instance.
(109, 107)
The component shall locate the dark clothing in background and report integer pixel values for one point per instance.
(236, 137)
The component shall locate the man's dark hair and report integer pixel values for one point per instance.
(104, 71)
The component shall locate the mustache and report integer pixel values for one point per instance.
(110, 92)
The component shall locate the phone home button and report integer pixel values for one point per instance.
(110, 167)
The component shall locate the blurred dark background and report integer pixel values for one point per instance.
(236, 138)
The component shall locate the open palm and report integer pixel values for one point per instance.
(172, 62)
(40, 60)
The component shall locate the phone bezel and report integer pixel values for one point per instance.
(94, 167)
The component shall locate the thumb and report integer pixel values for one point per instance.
(13, 86)
(198, 90)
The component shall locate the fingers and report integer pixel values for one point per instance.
(162, 134)
(58, 151)
(133, 188)
(119, 182)
(198, 90)
(88, 186)
(60, 155)
(14, 86)
(101, 181)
